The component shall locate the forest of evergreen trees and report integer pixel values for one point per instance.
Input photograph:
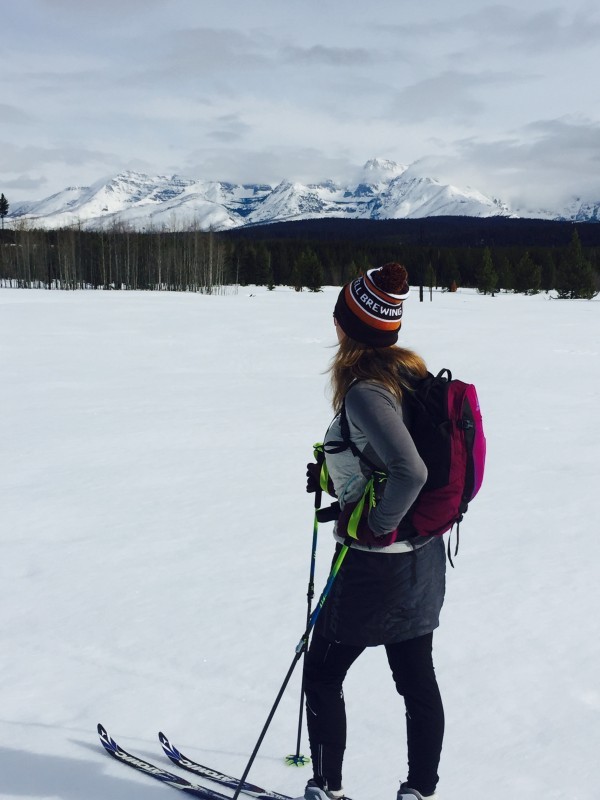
(491, 255)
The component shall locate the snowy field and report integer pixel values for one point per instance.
(155, 543)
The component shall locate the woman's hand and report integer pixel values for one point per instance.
(313, 479)
(364, 533)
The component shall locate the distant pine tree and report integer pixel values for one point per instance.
(310, 270)
(349, 272)
(528, 275)
(263, 271)
(575, 278)
(448, 273)
(506, 278)
(4, 205)
(487, 279)
(548, 271)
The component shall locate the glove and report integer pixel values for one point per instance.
(364, 533)
(328, 514)
(313, 479)
(313, 473)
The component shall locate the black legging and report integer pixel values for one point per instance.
(411, 663)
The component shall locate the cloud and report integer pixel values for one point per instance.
(24, 183)
(330, 56)
(11, 115)
(515, 28)
(541, 165)
(544, 30)
(268, 165)
(261, 91)
(230, 129)
(107, 8)
(450, 95)
(14, 158)
(212, 49)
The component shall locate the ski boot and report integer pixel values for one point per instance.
(406, 793)
(315, 792)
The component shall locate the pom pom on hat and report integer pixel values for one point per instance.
(392, 278)
(369, 309)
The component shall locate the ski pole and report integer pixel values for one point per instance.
(298, 760)
(300, 647)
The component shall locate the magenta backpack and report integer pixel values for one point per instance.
(447, 429)
(444, 420)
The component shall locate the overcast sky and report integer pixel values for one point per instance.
(504, 97)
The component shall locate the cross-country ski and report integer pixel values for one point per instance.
(159, 774)
(190, 765)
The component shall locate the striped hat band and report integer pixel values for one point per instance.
(373, 306)
(369, 309)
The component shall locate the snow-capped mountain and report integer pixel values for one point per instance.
(414, 195)
(382, 190)
(579, 210)
(575, 210)
(143, 202)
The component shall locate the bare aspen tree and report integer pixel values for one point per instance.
(115, 257)
(209, 281)
(4, 206)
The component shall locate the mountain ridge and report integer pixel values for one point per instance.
(383, 189)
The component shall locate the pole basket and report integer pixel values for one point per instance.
(297, 760)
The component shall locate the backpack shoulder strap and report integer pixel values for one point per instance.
(347, 443)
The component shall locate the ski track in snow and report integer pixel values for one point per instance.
(156, 536)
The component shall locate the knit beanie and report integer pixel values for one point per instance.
(369, 309)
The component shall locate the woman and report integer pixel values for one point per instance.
(390, 588)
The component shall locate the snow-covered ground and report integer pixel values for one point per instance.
(155, 542)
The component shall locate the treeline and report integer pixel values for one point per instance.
(428, 231)
(303, 256)
(70, 258)
(570, 269)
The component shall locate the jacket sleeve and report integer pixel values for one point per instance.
(378, 415)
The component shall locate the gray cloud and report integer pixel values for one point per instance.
(15, 158)
(50, 84)
(450, 95)
(108, 9)
(269, 166)
(24, 183)
(11, 115)
(544, 163)
(217, 49)
(267, 89)
(545, 30)
(320, 54)
(582, 135)
(514, 27)
(230, 129)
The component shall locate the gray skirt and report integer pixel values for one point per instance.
(382, 598)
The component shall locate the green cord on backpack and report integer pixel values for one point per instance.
(324, 479)
(369, 498)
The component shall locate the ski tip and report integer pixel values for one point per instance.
(105, 740)
(171, 751)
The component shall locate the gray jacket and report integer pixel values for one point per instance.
(387, 594)
(377, 428)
